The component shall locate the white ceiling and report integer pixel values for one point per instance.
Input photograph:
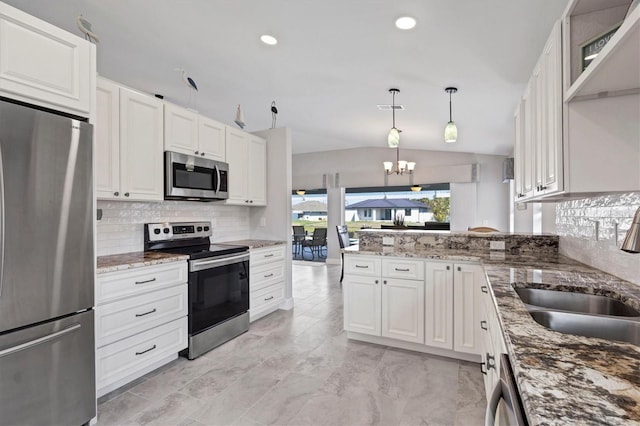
(335, 61)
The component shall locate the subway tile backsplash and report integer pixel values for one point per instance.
(121, 228)
(576, 225)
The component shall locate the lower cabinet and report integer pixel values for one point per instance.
(383, 305)
(141, 322)
(266, 280)
(440, 306)
(492, 340)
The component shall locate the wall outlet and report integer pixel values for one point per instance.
(263, 221)
(496, 245)
(387, 241)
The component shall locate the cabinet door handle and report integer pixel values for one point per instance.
(448, 267)
(482, 369)
(384, 282)
(116, 193)
(126, 194)
(202, 154)
(146, 281)
(459, 269)
(146, 313)
(269, 298)
(491, 362)
(197, 152)
(483, 325)
(148, 350)
(376, 281)
(362, 266)
(484, 289)
(251, 201)
(402, 270)
(268, 275)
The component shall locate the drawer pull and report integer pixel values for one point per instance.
(146, 313)
(484, 289)
(268, 275)
(268, 255)
(148, 350)
(145, 281)
(269, 298)
(483, 325)
(402, 270)
(482, 369)
(362, 266)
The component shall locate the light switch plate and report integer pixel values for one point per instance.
(496, 245)
(387, 241)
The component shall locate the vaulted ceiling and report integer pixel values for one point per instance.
(334, 62)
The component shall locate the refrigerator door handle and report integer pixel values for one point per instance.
(1, 220)
(39, 340)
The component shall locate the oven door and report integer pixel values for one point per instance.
(505, 407)
(189, 177)
(218, 290)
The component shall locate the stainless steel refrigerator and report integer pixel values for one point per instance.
(47, 367)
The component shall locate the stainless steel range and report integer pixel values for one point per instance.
(218, 282)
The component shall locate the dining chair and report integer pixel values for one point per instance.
(343, 240)
(316, 243)
(298, 237)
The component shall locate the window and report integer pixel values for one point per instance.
(407, 212)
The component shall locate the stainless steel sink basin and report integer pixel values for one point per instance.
(590, 326)
(576, 302)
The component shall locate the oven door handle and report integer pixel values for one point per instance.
(200, 264)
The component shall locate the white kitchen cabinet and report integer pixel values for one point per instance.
(189, 133)
(467, 305)
(141, 321)
(129, 139)
(382, 305)
(247, 158)
(439, 305)
(44, 65)
(403, 309)
(266, 280)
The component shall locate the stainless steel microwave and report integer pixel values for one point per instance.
(194, 178)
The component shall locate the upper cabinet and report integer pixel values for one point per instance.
(247, 158)
(129, 160)
(44, 65)
(187, 132)
(577, 132)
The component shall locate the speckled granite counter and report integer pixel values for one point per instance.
(119, 262)
(562, 378)
(255, 244)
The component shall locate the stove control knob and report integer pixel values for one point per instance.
(156, 231)
(199, 228)
(206, 228)
(166, 230)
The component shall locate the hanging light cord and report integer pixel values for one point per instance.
(393, 108)
(449, 105)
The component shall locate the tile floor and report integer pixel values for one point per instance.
(297, 368)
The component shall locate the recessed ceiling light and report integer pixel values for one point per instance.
(405, 23)
(267, 39)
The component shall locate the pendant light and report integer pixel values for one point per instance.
(394, 134)
(451, 131)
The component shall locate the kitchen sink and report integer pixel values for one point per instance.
(590, 325)
(576, 302)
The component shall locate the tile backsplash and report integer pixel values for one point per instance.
(121, 228)
(576, 225)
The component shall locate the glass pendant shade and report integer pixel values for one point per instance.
(388, 166)
(394, 138)
(450, 132)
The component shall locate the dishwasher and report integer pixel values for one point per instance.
(505, 407)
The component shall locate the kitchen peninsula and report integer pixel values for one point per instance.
(561, 378)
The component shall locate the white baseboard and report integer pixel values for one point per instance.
(287, 304)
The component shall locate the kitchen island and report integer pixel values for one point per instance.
(562, 378)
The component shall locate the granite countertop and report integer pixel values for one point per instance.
(562, 378)
(119, 262)
(255, 244)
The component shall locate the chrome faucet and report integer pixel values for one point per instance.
(631, 242)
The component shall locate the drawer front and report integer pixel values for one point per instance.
(123, 284)
(403, 268)
(267, 296)
(121, 359)
(362, 265)
(266, 255)
(266, 275)
(124, 318)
